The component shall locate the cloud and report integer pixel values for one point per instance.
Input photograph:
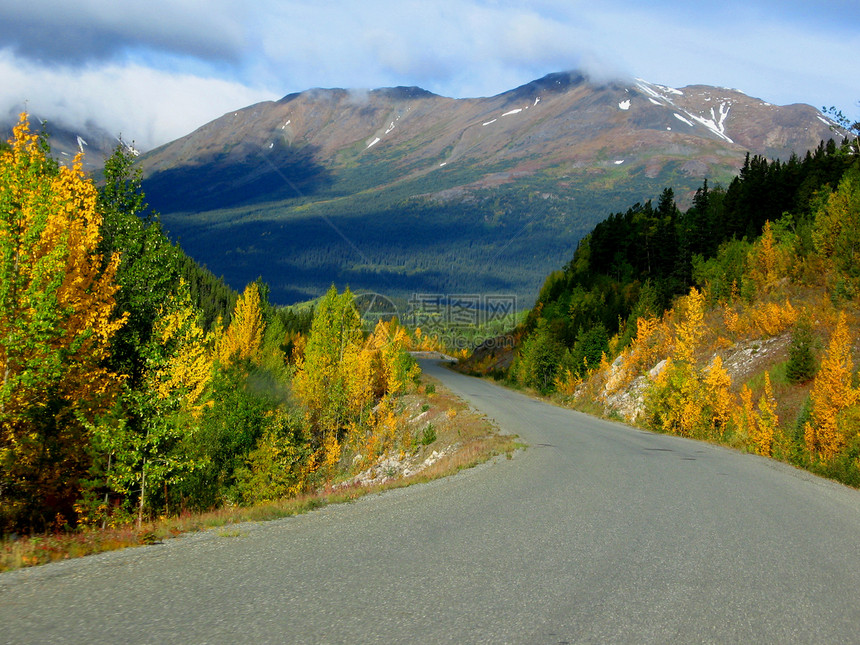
(156, 70)
(782, 59)
(142, 104)
(85, 30)
(450, 47)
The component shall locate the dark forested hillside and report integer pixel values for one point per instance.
(638, 260)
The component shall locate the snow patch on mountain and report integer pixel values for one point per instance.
(514, 111)
(489, 122)
(680, 118)
(716, 124)
(624, 105)
(663, 95)
(645, 86)
(374, 142)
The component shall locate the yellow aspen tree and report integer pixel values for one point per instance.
(676, 400)
(644, 348)
(358, 368)
(718, 385)
(689, 330)
(771, 319)
(56, 322)
(395, 367)
(765, 260)
(243, 339)
(731, 319)
(186, 367)
(831, 393)
(765, 421)
(385, 424)
(566, 382)
(744, 416)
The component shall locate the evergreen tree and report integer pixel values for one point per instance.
(802, 363)
(148, 270)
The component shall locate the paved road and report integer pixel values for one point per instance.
(596, 533)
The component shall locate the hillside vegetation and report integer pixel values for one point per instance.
(135, 384)
(735, 321)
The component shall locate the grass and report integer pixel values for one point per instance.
(470, 435)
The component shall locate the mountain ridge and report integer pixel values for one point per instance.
(578, 148)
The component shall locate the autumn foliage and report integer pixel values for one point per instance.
(348, 383)
(118, 401)
(740, 325)
(56, 324)
(832, 392)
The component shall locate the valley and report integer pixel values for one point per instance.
(399, 191)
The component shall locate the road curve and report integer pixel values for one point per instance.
(596, 533)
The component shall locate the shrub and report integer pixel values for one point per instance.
(802, 363)
(429, 435)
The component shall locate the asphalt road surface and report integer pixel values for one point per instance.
(596, 533)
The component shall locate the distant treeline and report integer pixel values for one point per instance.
(401, 240)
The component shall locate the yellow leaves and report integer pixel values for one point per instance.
(765, 422)
(57, 318)
(566, 382)
(731, 319)
(767, 261)
(244, 337)
(718, 385)
(348, 384)
(761, 320)
(771, 319)
(831, 393)
(55, 289)
(185, 368)
(689, 330)
(330, 450)
(358, 369)
(743, 416)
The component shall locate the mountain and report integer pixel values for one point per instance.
(402, 191)
(66, 141)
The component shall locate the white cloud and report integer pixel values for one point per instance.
(148, 106)
(450, 47)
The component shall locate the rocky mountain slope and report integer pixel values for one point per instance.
(398, 190)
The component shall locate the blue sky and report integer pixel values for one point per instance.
(154, 71)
